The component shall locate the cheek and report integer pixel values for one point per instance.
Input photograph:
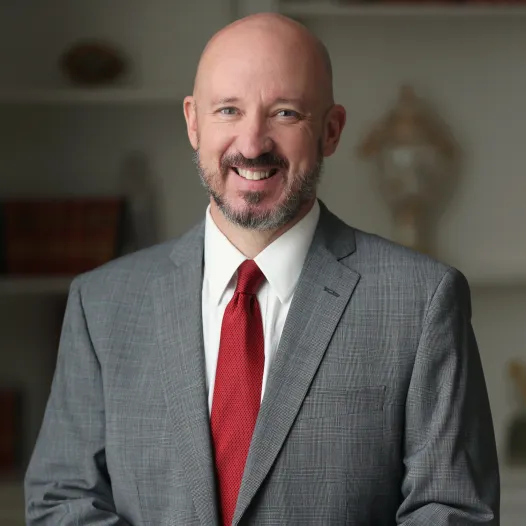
(299, 145)
(213, 146)
(301, 150)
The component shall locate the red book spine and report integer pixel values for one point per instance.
(61, 236)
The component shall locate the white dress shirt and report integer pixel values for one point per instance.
(281, 263)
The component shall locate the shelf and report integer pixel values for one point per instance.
(91, 96)
(34, 286)
(320, 8)
(504, 281)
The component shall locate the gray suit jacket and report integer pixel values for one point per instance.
(375, 411)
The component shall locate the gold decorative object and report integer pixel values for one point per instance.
(516, 447)
(415, 158)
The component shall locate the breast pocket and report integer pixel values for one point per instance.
(327, 403)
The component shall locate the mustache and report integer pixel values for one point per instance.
(265, 160)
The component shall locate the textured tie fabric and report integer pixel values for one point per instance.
(237, 391)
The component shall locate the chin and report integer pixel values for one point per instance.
(258, 217)
(265, 206)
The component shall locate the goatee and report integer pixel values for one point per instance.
(302, 190)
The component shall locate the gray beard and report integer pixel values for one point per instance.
(303, 191)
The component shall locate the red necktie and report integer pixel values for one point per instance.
(237, 391)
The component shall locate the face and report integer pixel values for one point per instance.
(260, 131)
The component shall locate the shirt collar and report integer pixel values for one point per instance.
(222, 259)
(281, 262)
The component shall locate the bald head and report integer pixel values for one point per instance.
(261, 120)
(270, 37)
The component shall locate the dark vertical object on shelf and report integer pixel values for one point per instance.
(3, 256)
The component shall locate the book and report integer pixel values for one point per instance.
(60, 236)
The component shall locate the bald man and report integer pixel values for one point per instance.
(273, 366)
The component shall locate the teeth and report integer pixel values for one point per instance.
(253, 176)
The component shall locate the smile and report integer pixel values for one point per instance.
(254, 175)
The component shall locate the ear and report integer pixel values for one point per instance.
(190, 114)
(332, 129)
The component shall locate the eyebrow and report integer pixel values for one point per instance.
(295, 102)
(225, 100)
(235, 100)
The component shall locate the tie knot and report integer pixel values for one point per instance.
(249, 277)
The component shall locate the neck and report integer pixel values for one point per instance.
(251, 242)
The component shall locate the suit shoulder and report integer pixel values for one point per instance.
(383, 259)
(137, 268)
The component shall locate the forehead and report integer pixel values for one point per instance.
(259, 69)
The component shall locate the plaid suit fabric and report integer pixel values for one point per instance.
(375, 412)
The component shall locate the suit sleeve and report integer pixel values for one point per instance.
(67, 482)
(451, 468)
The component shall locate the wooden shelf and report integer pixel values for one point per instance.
(90, 96)
(330, 8)
(10, 286)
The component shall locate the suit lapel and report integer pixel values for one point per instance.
(177, 300)
(323, 291)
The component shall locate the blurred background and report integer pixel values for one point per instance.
(95, 162)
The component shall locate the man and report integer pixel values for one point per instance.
(274, 365)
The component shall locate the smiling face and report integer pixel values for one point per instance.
(261, 121)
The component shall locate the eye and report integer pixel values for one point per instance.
(227, 111)
(288, 114)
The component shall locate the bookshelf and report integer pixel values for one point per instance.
(34, 286)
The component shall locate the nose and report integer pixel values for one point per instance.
(254, 138)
